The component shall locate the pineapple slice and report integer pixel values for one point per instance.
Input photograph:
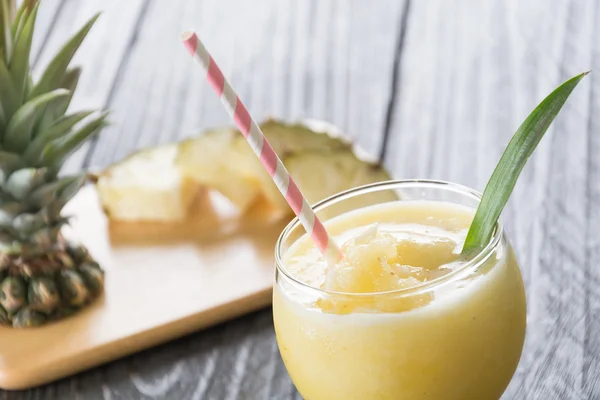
(216, 160)
(147, 186)
(160, 184)
(320, 175)
(289, 139)
(320, 159)
(222, 160)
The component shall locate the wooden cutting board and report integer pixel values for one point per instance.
(162, 281)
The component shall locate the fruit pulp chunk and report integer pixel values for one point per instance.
(379, 260)
(396, 251)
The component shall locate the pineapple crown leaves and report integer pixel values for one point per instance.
(36, 133)
(21, 14)
(54, 131)
(16, 39)
(41, 206)
(23, 181)
(54, 73)
(8, 96)
(26, 223)
(32, 116)
(19, 62)
(56, 151)
(6, 43)
(19, 21)
(19, 91)
(19, 131)
(59, 107)
(64, 189)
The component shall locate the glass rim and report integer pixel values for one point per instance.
(468, 266)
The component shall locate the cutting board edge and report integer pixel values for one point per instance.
(126, 346)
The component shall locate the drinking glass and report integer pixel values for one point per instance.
(459, 336)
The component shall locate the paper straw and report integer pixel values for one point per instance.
(263, 150)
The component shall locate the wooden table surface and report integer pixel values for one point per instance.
(435, 88)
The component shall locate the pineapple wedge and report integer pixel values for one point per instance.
(216, 160)
(222, 160)
(147, 186)
(320, 175)
(320, 159)
(290, 140)
(295, 138)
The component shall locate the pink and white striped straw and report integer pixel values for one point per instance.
(263, 150)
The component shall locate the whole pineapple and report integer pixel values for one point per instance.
(42, 276)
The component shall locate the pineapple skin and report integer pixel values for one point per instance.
(43, 277)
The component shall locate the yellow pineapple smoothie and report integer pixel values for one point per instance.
(403, 315)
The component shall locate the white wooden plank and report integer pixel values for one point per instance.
(290, 60)
(470, 75)
(591, 363)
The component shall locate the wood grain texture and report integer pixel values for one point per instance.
(468, 73)
(199, 287)
(287, 59)
(469, 76)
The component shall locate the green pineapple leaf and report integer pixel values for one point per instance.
(28, 85)
(69, 82)
(59, 128)
(65, 195)
(20, 128)
(8, 96)
(54, 73)
(25, 223)
(19, 20)
(45, 194)
(19, 63)
(21, 182)
(512, 161)
(12, 7)
(71, 187)
(6, 42)
(57, 150)
(9, 162)
(59, 107)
